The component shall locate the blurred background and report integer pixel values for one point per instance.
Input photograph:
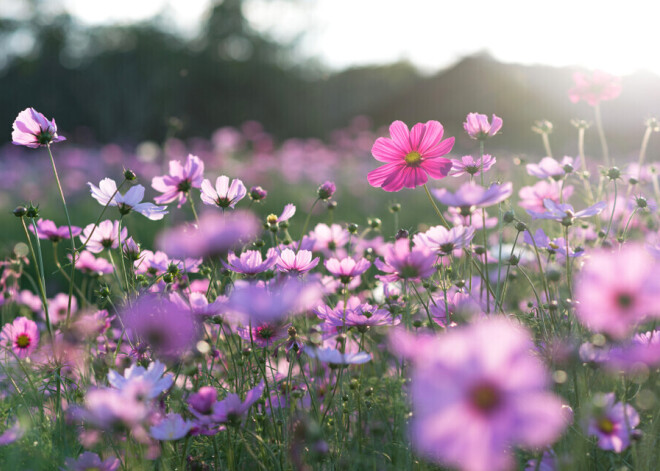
(295, 91)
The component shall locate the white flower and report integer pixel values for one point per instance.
(152, 378)
(106, 194)
(172, 427)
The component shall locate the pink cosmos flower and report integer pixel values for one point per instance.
(180, 181)
(565, 212)
(58, 306)
(287, 213)
(494, 395)
(106, 194)
(550, 168)
(354, 313)
(296, 262)
(87, 263)
(444, 241)
(612, 423)
(223, 195)
(532, 197)
(478, 127)
(264, 334)
(250, 262)
(91, 461)
(347, 268)
(402, 263)
(470, 195)
(171, 427)
(47, 229)
(410, 156)
(21, 336)
(327, 239)
(231, 409)
(471, 166)
(599, 87)
(32, 129)
(335, 357)
(618, 290)
(103, 237)
(152, 379)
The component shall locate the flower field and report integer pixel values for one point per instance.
(375, 301)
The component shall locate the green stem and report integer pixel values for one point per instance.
(435, 206)
(601, 136)
(40, 279)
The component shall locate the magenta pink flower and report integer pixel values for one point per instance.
(347, 268)
(264, 334)
(21, 336)
(296, 262)
(32, 129)
(180, 181)
(250, 262)
(47, 229)
(410, 156)
(478, 127)
(618, 290)
(402, 263)
(473, 398)
(599, 87)
(231, 408)
(612, 423)
(87, 263)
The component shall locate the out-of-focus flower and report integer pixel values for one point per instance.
(89, 461)
(13, 433)
(58, 307)
(215, 234)
(152, 379)
(410, 156)
(444, 241)
(470, 195)
(47, 229)
(496, 395)
(21, 337)
(172, 427)
(354, 314)
(550, 168)
(402, 263)
(565, 212)
(557, 245)
(106, 194)
(287, 213)
(599, 87)
(296, 262)
(618, 290)
(612, 423)
(326, 190)
(347, 268)
(532, 197)
(478, 127)
(223, 195)
(250, 262)
(335, 357)
(87, 263)
(471, 166)
(328, 239)
(103, 237)
(231, 408)
(180, 181)
(264, 334)
(32, 129)
(257, 193)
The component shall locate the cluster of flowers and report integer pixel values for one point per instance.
(497, 344)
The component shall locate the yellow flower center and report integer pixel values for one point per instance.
(413, 158)
(605, 425)
(23, 341)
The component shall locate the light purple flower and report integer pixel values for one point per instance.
(335, 357)
(296, 262)
(87, 263)
(326, 190)
(13, 433)
(215, 234)
(473, 398)
(250, 262)
(612, 423)
(47, 229)
(557, 245)
(151, 378)
(532, 197)
(347, 268)
(565, 212)
(231, 408)
(89, 461)
(549, 168)
(32, 129)
(471, 166)
(444, 241)
(327, 239)
(172, 427)
(478, 127)
(470, 195)
(354, 314)
(180, 181)
(402, 263)
(223, 195)
(103, 237)
(106, 194)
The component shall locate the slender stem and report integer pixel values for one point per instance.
(40, 280)
(609, 225)
(435, 206)
(304, 229)
(568, 265)
(601, 135)
(192, 205)
(642, 150)
(487, 279)
(546, 144)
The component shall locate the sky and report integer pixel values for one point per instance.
(618, 37)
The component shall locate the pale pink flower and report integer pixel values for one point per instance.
(103, 237)
(478, 127)
(32, 129)
(599, 87)
(223, 195)
(180, 181)
(296, 262)
(106, 194)
(171, 427)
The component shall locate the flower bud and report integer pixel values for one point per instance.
(521, 226)
(395, 208)
(374, 223)
(20, 211)
(326, 190)
(257, 193)
(352, 228)
(508, 217)
(129, 175)
(32, 211)
(402, 234)
(614, 173)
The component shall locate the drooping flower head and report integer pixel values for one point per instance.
(478, 127)
(21, 337)
(410, 156)
(495, 395)
(565, 212)
(180, 181)
(224, 195)
(599, 87)
(32, 129)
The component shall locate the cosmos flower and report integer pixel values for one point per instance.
(477, 126)
(402, 263)
(326, 190)
(532, 197)
(103, 237)
(495, 395)
(153, 379)
(612, 423)
(32, 129)
(249, 262)
(347, 268)
(335, 357)
(471, 166)
(231, 408)
(550, 168)
(264, 334)
(47, 229)
(91, 461)
(354, 314)
(470, 195)
(171, 427)
(87, 263)
(298, 262)
(444, 241)
(21, 336)
(410, 156)
(599, 87)
(565, 212)
(180, 181)
(223, 195)
(106, 194)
